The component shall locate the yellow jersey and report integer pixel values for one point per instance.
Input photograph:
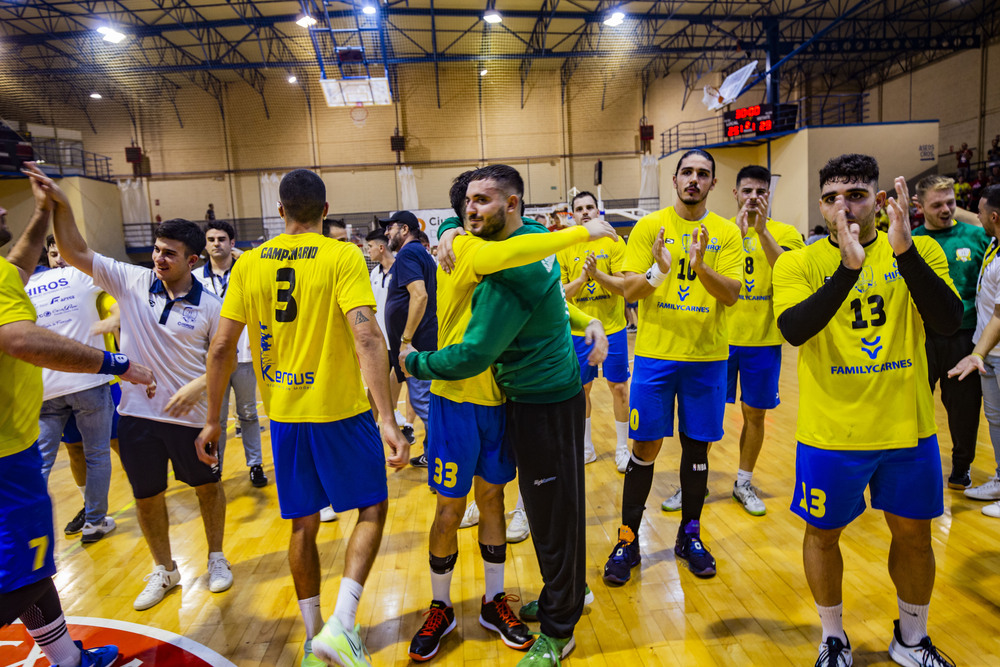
(475, 257)
(293, 293)
(594, 299)
(680, 320)
(863, 378)
(751, 321)
(21, 389)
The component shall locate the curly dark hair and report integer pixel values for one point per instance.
(850, 168)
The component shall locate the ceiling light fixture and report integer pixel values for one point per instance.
(111, 35)
(306, 21)
(369, 9)
(482, 72)
(292, 79)
(492, 16)
(615, 20)
(95, 96)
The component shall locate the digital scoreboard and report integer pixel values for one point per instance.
(759, 120)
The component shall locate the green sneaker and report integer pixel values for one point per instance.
(310, 660)
(547, 651)
(337, 645)
(529, 610)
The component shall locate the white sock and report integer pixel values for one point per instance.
(83, 492)
(520, 501)
(212, 555)
(743, 477)
(621, 431)
(441, 586)
(312, 615)
(348, 597)
(587, 442)
(400, 419)
(912, 622)
(56, 644)
(494, 579)
(833, 621)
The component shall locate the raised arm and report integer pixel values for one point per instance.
(26, 250)
(71, 245)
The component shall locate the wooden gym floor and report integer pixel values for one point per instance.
(757, 610)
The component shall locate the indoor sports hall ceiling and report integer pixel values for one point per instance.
(54, 49)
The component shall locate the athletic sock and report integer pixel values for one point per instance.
(52, 638)
(519, 505)
(83, 492)
(311, 615)
(743, 477)
(638, 482)
(912, 622)
(587, 442)
(621, 434)
(348, 597)
(441, 572)
(400, 419)
(833, 621)
(493, 566)
(694, 478)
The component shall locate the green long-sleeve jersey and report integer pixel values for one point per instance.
(520, 325)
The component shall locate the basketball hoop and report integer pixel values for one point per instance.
(359, 114)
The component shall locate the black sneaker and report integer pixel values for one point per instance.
(440, 621)
(689, 548)
(407, 432)
(959, 480)
(623, 558)
(419, 461)
(497, 616)
(76, 525)
(834, 653)
(257, 476)
(924, 653)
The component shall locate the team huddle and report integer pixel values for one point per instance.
(525, 321)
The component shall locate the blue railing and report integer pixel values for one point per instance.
(67, 159)
(815, 111)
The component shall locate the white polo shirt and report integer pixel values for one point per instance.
(218, 285)
(380, 286)
(66, 303)
(987, 293)
(170, 337)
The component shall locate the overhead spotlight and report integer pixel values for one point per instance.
(306, 21)
(616, 19)
(110, 34)
(95, 96)
(483, 72)
(292, 79)
(369, 9)
(492, 16)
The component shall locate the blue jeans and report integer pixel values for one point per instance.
(420, 397)
(991, 402)
(244, 385)
(92, 409)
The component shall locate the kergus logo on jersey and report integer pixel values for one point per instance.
(140, 645)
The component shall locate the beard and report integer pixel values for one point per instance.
(491, 225)
(692, 200)
(395, 242)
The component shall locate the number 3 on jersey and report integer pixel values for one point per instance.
(450, 473)
(284, 296)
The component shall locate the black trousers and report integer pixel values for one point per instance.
(963, 399)
(548, 445)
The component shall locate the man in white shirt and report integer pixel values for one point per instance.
(168, 320)
(220, 238)
(65, 300)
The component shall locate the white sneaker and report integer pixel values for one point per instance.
(988, 491)
(326, 515)
(589, 453)
(471, 517)
(673, 503)
(517, 528)
(993, 510)
(220, 576)
(834, 653)
(159, 581)
(746, 495)
(622, 457)
(94, 532)
(924, 654)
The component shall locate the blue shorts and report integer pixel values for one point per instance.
(71, 434)
(466, 439)
(830, 484)
(339, 463)
(699, 388)
(615, 366)
(27, 539)
(759, 369)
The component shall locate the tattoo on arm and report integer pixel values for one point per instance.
(360, 319)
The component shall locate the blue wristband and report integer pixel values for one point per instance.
(114, 364)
